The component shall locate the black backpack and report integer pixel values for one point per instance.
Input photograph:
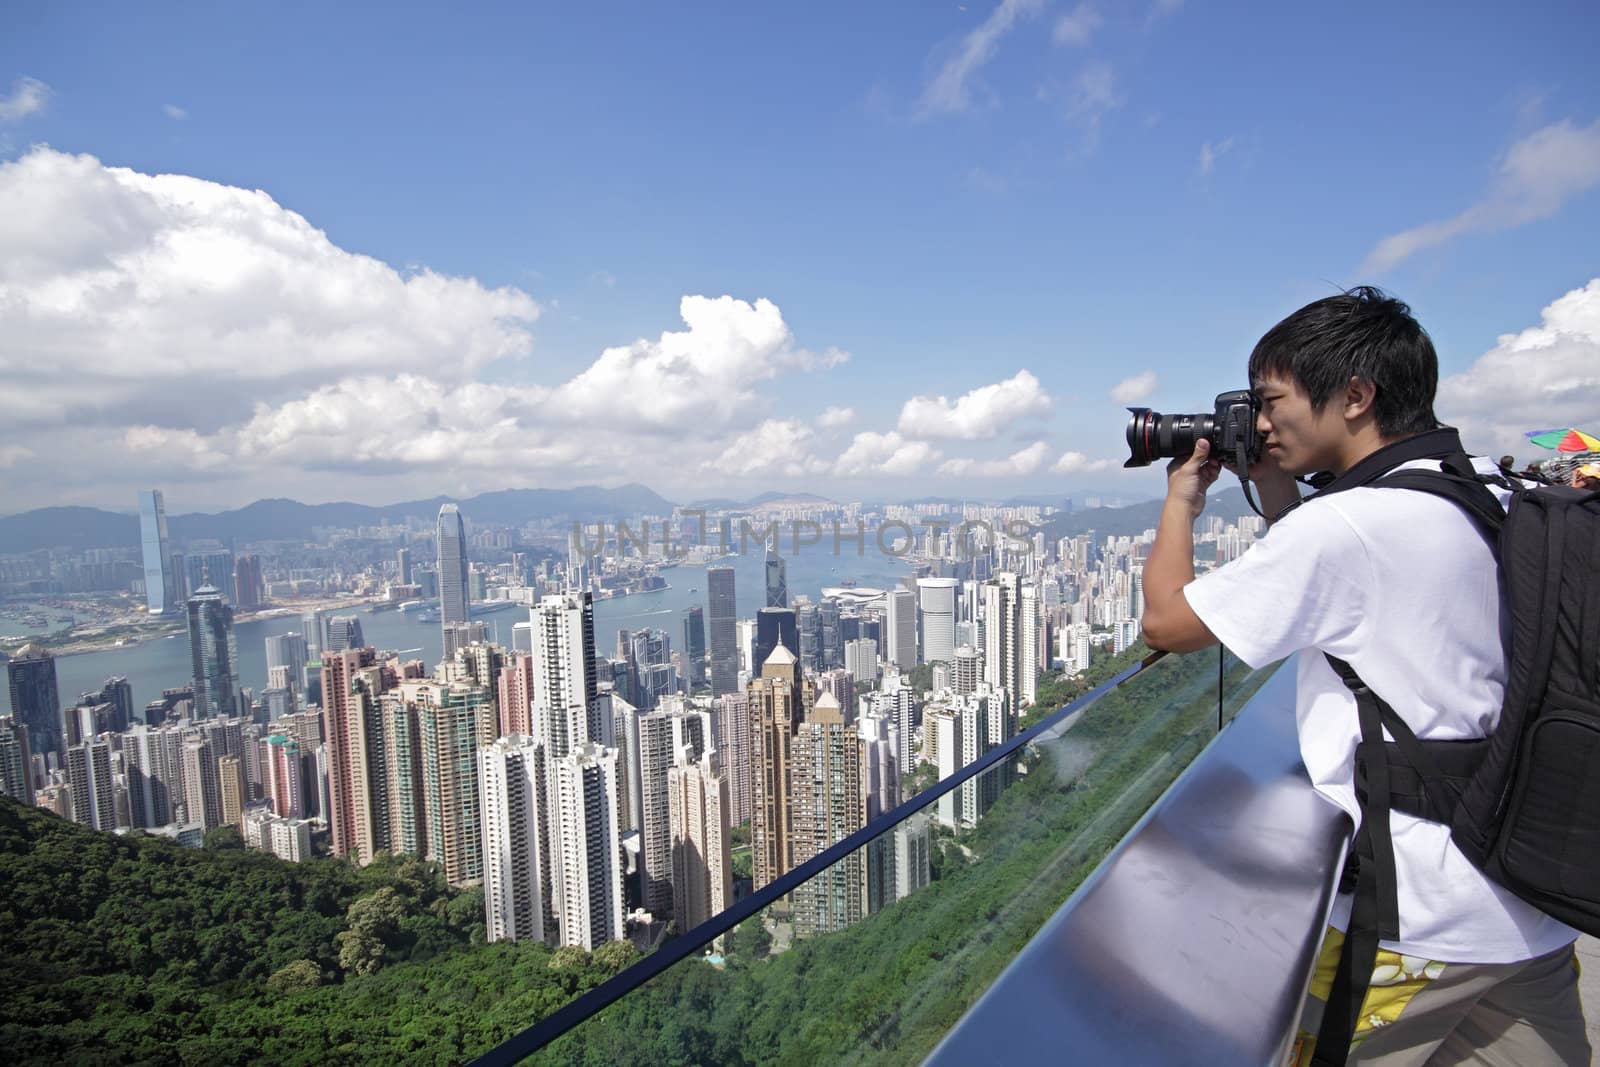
(1523, 804)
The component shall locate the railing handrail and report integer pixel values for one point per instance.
(602, 996)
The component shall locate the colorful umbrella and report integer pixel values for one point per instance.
(1567, 440)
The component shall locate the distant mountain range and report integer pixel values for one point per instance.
(280, 519)
(1137, 518)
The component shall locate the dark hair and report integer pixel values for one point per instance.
(1361, 333)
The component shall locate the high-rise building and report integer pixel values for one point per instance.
(808, 628)
(202, 793)
(702, 874)
(831, 632)
(402, 566)
(213, 654)
(1010, 636)
(900, 626)
(827, 806)
(352, 683)
(775, 626)
(586, 842)
(16, 770)
(779, 700)
(402, 744)
(861, 660)
(453, 722)
(153, 758)
(248, 585)
(566, 695)
(454, 592)
(113, 704)
(880, 762)
(936, 611)
(286, 774)
(722, 617)
(733, 749)
(211, 567)
(515, 693)
(655, 759)
(511, 783)
(344, 631)
(777, 575)
(966, 670)
(160, 589)
(694, 648)
(36, 703)
(288, 652)
(94, 800)
(459, 635)
(231, 789)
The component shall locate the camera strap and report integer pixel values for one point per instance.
(1443, 444)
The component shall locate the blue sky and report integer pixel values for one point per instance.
(933, 199)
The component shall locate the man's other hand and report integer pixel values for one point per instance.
(1188, 478)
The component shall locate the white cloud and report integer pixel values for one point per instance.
(1533, 181)
(835, 417)
(1134, 389)
(1077, 26)
(117, 287)
(1022, 462)
(1541, 378)
(1210, 152)
(11, 455)
(884, 453)
(1078, 463)
(777, 446)
(947, 91)
(174, 112)
(28, 95)
(182, 447)
(980, 414)
(702, 376)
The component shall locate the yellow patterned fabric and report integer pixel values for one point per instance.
(1395, 980)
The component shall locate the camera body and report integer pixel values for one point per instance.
(1230, 428)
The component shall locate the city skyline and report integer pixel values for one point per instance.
(956, 260)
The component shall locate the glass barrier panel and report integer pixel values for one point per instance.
(874, 959)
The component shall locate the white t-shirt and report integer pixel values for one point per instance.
(1399, 584)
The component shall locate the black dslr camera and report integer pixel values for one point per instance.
(1231, 429)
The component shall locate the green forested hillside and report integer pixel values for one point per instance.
(133, 950)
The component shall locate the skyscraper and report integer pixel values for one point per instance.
(402, 566)
(656, 757)
(454, 721)
(35, 702)
(586, 841)
(694, 648)
(774, 627)
(808, 629)
(248, 587)
(776, 708)
(454, 592)
(1010, 636)
(777, 573)
(94, 801)
(160, 593)
(344, 631)
(900, 625)
(214, 567)
(214, 654)
(733, 749)
(351, 685)
(702, 875)
(515, 703)
(511, 782)
(722, 616)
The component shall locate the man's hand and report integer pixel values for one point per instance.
(1189, 478)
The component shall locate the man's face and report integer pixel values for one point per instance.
(1300, 439)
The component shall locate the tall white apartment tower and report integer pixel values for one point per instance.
(566, 694)
(512, 790)
(937, 610)
(587, 846)
(656, 754)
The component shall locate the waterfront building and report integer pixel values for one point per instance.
(214, 654)
(722, 618)
(511, 783)
(248, 585)
(454, 591)
(36, 703)
(160, 586)
(344, 631)
(694, 648)
(214, 568)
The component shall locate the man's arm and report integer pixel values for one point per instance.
(1169, 623)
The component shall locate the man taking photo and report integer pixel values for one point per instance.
(1403, 587)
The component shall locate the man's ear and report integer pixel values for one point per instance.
(1359, 397)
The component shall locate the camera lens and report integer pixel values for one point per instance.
(1153, 436)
